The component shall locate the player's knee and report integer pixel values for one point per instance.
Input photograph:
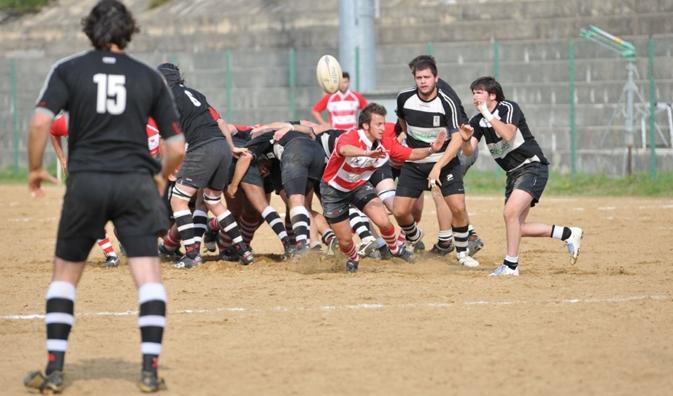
(211, 199)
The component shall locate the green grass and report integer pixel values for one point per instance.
(480, 182)
(12, 176)
(22, 6)
(157, 3)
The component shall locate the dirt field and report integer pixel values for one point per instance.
(603, 326)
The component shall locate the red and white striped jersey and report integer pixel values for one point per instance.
(342, 108)
(348, 173)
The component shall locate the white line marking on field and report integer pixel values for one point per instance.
(606, 208)
(366, 307)
(578, 209)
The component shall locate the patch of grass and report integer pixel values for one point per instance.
(157, 3)
(481, 182)
(22, 6)
(12, 176)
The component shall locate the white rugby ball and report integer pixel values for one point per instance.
(328, 73)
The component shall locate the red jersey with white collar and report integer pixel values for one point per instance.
(59, 128)
(342, 108)
(348, 173)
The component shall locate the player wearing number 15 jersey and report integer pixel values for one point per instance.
(109, 96)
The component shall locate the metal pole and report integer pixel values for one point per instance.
(428, 48)
(571, 110)
(651, 46)
(293, 83)
(495, 47)
(348, 35)
(228, 85)
(628, 120)
(15, 113)
(357, 68)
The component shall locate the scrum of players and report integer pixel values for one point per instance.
(363, 170)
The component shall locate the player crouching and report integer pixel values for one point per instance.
(357, 154)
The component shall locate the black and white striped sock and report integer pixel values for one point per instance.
(444, 238)
(229, 225)
(59, 319)
(359, 223)
(411, 232)
(460, 235)
(151, 320)
(328, 236)
(273, 219)
(300, 224)
(183, 220)
(200, 219)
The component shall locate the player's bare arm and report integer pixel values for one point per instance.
(37, 141)
(466, 131)
(451, 151)
(242, 166)
(420, 153)
(504, 130)
(352, 151)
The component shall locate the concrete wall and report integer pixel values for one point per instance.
(532, 36)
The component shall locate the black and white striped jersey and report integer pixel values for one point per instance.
(425, 119)
(510, 155)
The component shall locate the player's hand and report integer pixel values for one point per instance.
(160, 181)
(35, 179)
(238, 151)
(433, 178)
(466, 131)
(380, 152)
(231, 191)
(439, 141)
(280, 133)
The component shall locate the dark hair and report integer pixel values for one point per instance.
(490, 85)
(109, 22)
(366, 113)
(423, 62)
(345, 75)
(420, 58)
(171, 73)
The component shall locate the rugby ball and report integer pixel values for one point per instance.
(328, 73)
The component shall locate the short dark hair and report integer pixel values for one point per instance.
(423, 62)
(345, 75)
(366, 113)
(421, 58)
(490, 85)
(109, 22)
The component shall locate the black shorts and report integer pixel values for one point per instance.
(335, 203)
(168, 193)
(413, 179)
(382, 173)
(206, 165)
(531, 178)
(251, 176)
(130, 200)
(302, 161)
